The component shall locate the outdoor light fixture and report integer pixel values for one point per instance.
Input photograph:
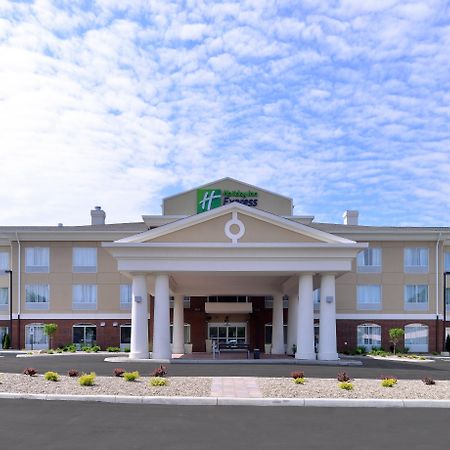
(115, 324)
(102, 324)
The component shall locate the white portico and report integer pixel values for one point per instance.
(234, 249)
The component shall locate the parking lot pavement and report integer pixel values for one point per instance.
(74, 425)
(439, 369)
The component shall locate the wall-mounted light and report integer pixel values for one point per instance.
(102, 324)
(115, 324)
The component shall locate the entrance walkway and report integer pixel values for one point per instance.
(235, 387)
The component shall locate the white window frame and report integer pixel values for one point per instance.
(4, 299)
(447, 261)
(37, 259)
(80, 303)
(30, 343)
(228, 326)
(186, 333)
(269, 325)
(41, 291)
(84, 326)
(316, 299)
(371, 304)
(415, 305)
(366, 337)
(417, 343)
(125, 296)
(268, 302)
(77, 259)
(416, 259)
(124, 345)
(186, 302)
(4, 262)
(366, 259)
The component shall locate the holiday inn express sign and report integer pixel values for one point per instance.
(208, 199)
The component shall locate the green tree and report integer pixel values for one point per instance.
(50, 331)
(6, 341)
(395, 334)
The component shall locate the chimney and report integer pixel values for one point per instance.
(98, 216)
(350, 217)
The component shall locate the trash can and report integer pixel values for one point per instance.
(256, 353)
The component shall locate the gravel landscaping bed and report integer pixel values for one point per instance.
(363, 388)
(177, 386)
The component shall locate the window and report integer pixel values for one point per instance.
(316, 298)
(84, 296)
(416, 260)
(228, 298)
(369, 336)
(84, 259)
(227, 333)
(447, 261)
(186, 302)
(84, 334)
(35, 338)
(268, 302)
(268, 333)
(125, 336)
(4, 298)
(125, 296)
(187, 333)
(368, 296)
(4, 261)
(416, 297)
(37, 259)
(416, 337)
(369, 261)
(37, 296)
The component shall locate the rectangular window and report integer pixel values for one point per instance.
(369, 260)
(368, 296)
(84, 296)
(37, 259)
(416, 297)
(186, 302)
(125, 296)
(37, 296)
(4, 261)
(187, 333)
(447, 261)
(84, 259)
(416, 260)
(268, 302)
(316, 298)
(4, 298)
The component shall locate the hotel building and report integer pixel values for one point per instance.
(225, 262)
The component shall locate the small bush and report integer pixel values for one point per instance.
(87, 379)
(73, 373)
(30, 371)
(51, 376)
(299, 380)
(96, 348)
(113, 349)
(50, 352)
(160, 371)
(343, 377)
(428, 381)
(86, 348)
(298, 374)
(346, 385)
(131, 376)
(118, 371)
(360, 350)
(158, 381)
(59, 350)
(389, 382)
(127, 350)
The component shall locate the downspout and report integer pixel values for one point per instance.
(437, 290)
(19, 291)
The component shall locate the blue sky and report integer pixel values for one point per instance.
(338, 104)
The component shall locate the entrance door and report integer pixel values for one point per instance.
(228, 333)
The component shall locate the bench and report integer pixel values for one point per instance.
(222, 347)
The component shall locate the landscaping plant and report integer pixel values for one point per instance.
(343, 377)
(346, 385)
(131, 376)
(6, 343)
(388, 381)
(428, 381)
(50, 331)
(299, 380)
(87, 379)
(298, 374)
(113, 349)
(160, 371)
(51, 376)
(395, 334)
(73, 373)
(158, 381)
(118, 371)
(30, 371)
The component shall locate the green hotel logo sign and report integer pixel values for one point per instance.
(208, 199)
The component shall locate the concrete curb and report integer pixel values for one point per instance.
(230, 401)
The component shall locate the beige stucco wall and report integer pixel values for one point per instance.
(186, 202)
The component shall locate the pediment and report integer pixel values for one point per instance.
(235, 224)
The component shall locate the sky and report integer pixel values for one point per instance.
(339, 104)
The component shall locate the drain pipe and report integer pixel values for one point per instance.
(19, 291)
(437, 290)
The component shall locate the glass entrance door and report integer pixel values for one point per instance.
(228, 333)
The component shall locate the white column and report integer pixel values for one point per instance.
(292, 322)
(305, 318)
(277, 325)
(139, 318)
(178, 324)
(327, 325)
(161, 318)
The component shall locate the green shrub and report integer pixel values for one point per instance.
(6, 343)
(87, 379)
(51, 376)
(127, 350)
(86, 348)
(96, 348)
(50, 352)
(72, 348)
(59, 350)
(158, 381)
(389, 382)
(113, 349)
(131, 376)
(360, 350)
(299, 380)
(346, 385)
